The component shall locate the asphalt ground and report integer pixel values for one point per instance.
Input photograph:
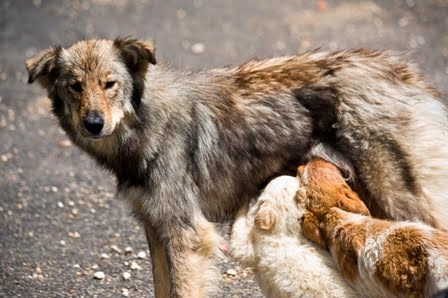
(59, 223)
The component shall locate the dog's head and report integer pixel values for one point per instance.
(93, 84)
(276, 210)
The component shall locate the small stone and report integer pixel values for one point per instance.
(125, 292)
(60, 204)
(75, 211)
(93, 211)
(54, 189)
(115, 248)
(77, 266)
(62, 242)
(126, 275)
(38, 270)
(231, 272)
(141, 255)
(99, 275)
(128, 249)
(65, 143)
(105, 256)
(95, 266)
(198, 48)
(74, 234)
(71, 203)
(135, 266)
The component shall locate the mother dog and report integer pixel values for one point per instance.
(191, 147)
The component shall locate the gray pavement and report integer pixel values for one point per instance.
(59, 223)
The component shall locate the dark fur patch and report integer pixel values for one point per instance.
(321, 105)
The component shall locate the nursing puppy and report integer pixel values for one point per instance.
(380, 258)
(268, 238)
(189, 148)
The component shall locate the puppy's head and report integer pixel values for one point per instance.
(275, 210)
(324, 187)
(93, 84)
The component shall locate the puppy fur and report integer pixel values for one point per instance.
(189, 148)
(380, 258)
(268, 238)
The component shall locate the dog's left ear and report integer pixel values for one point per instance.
(44, 67)
(266, 216)
(137, 54)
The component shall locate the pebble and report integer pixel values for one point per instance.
(77, 266)
(128, 249)
(115, 248)
(141, 255)
(74, 234)
(126, 275)
(75, 211)
(125, 292)
(105, 256)
(198, 48)
(65, 143)
(95, 266)
(135, 266)
(99, 275)
(60, 204)
(62, 242)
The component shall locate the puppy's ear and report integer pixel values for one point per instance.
(349, 201)
(300, 171)
(44, 67)
(137, 54)
(311, 229)
(266, 216)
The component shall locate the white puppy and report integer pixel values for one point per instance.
(268, 238)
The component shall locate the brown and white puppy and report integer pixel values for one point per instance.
(189, 148)
(380, 258)
(268, 238)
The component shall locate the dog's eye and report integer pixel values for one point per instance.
(110, 84)
(76, 87)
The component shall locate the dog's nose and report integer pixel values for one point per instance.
(94, 122)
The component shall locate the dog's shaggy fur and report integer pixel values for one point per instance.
(380, 258)
(189, 148)
(268, 238)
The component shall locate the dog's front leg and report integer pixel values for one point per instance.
(192, 252)
(160, 269)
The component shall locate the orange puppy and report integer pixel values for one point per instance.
(380, 258)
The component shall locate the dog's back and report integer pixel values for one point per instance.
(269, 239)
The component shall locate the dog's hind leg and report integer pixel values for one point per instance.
(160, 269)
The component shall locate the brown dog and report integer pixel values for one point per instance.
(189, 148)
(380, 258)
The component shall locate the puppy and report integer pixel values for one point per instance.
(268, 239)
(380, 258)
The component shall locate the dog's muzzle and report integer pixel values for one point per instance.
(94, 123)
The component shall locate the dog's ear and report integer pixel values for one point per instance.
(300, 171)
(137, 54)
(44, 67)
(266, 216)
(349, 201)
